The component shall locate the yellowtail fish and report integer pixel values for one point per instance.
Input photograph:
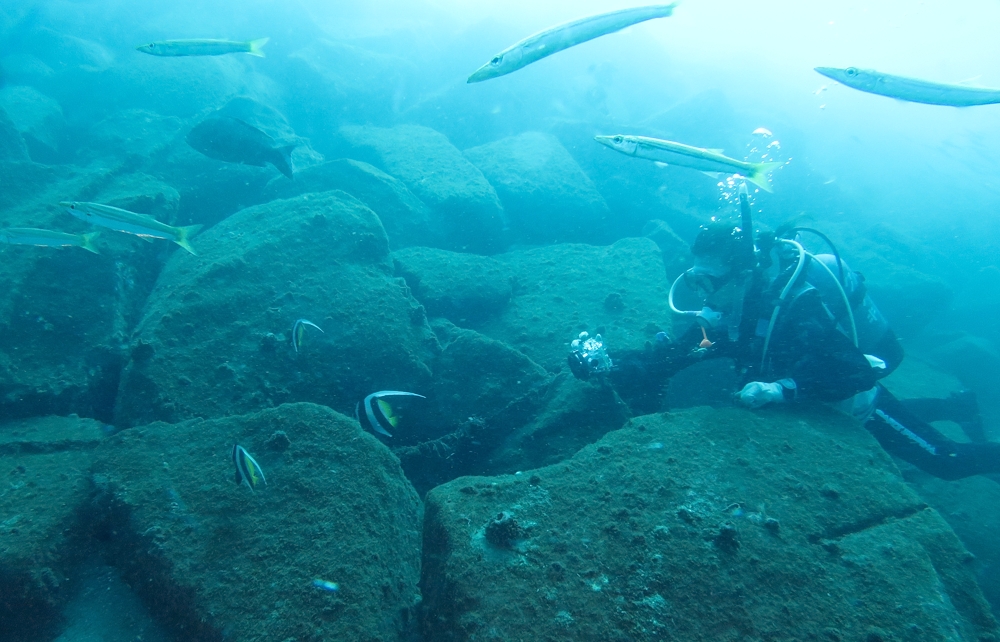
(379, 415)
(248, 471)
(47, 238)
(555, 39)
(197, 47)
(299, 331)
(911, 89)
(128, 222)
(709, 161)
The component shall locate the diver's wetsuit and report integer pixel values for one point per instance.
(807, 348)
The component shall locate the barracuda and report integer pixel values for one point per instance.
(911, 89)
(710, 161)
(131, 223)
(564, 36)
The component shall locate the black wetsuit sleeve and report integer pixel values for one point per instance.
(807, 348)
(639, 376)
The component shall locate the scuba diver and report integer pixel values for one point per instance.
(809, 333)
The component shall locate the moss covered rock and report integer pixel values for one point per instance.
(546, 195)
(466, 289)
(215, 338)
(406, 219)
(701, 525)
(437, 172)
(328, 549)
(619, 291)
(44, 465)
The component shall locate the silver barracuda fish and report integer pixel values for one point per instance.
(564, 36)
(131, 223)
(47, 238)
(911, 89)
(709, 161)
(197, 47)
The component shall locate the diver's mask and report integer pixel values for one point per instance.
(708, 276)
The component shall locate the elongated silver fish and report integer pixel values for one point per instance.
(202, 47)
(248, 471)
(710, 161)
(379, 415)
(911, 89)
(555, 39)
(131, 223)
(47, 238)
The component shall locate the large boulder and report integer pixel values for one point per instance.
(12, 147)
(44, 464)
(65, 313)
(135, 134)
(700, 525)
(38, 117)
(466, 289)
(619, 291)
(327, 549)
(547, 197)
(215, 338)
(437, 172)
(406, 219)
(335, 78)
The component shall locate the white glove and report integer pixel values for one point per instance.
(875, 362)
(757, 393)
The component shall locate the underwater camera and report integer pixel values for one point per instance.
(591, 352)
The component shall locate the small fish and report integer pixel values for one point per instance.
(233, 141)
(248, 471)
(299, 330)
(47, 238)
(140, 225)
(709, 161)
(326, 585)
(196, 47)
(911, 89)
(555, 39)
(378, 414)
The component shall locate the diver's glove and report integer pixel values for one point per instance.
(588, 356)
(757, 393)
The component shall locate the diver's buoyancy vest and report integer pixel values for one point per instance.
(869, 322)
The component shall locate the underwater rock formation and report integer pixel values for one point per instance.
(562, 290)
(215, 338)
(12, 147)
(328, 549)
(437, 172)
(466, 289)
(701, 525)
(38, 117)
(546, 195)
(65, 314)
(406, 219)
(44, 464)
(556, 292)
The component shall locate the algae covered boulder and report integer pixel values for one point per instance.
(436, 171)
(406, 219)
(619, 291)
(464, 288)
(44, 464)
(547, 197)
(700, 525)
(327, 549)
(216, 334)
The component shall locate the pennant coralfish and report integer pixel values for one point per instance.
(248, 471)
(379, 415)
(299, 330)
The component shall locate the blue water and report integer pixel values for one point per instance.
(909, 192)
